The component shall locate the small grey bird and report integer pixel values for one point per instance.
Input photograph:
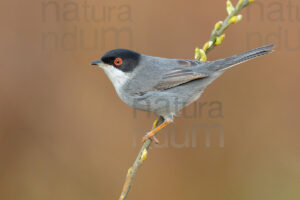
(161, 85)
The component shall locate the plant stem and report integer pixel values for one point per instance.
(226, 24)
(137, 163)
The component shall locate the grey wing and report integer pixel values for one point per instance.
(177, 76)
(162, 74)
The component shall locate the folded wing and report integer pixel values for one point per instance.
(176, 77)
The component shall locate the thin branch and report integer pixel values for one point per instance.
(138, 162)
(217, 35)
(216, 38)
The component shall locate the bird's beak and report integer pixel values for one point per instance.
(98, 62)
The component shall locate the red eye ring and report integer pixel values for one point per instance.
(118, 61)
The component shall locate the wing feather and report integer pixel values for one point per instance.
(177, 76)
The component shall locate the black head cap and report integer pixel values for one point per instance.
(123, 59)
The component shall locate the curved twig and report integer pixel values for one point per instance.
(216, 38)
(217, 35)
(138, 162)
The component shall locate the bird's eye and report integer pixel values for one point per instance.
(118, 61)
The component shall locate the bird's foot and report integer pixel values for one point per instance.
(151, 136)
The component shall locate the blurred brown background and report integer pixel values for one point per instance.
(64, 133)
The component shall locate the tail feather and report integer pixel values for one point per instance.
(226, 63)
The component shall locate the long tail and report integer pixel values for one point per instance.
(226, 63)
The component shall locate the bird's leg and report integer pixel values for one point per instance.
(151, 134)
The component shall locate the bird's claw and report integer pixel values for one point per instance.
(151, 137)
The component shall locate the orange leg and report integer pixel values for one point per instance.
(151, 134)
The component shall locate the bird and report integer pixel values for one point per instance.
(164, 86)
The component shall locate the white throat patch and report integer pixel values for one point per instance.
(117, 77)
